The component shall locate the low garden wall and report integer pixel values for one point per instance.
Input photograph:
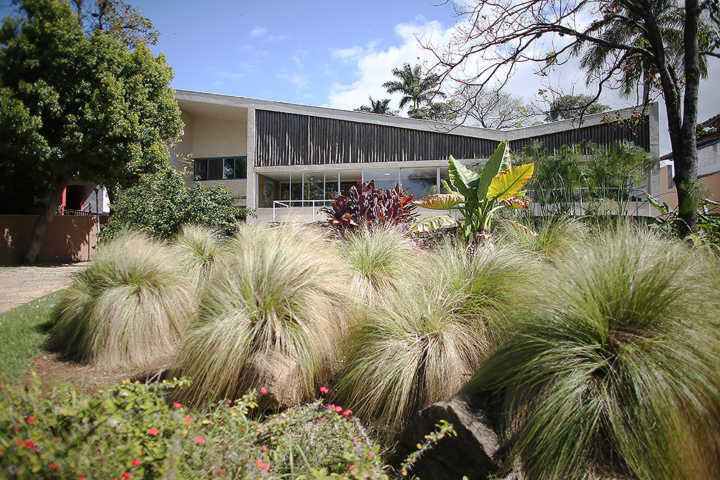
(67, 238)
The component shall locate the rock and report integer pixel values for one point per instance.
(472, 453)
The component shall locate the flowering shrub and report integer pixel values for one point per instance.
(367, 206)
(132, 431)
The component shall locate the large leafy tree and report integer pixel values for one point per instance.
(622, 44)
(418, 89)
(377, 106)
(570, 106)
(77, 106)
(116, 18)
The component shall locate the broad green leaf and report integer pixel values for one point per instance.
(492, 167)
(518, 202)
(507, 184)
(440, 201)
(462, 178)
(431, 224)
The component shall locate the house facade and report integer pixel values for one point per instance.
(286, 160)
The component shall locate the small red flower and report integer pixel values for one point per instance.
(16, 428)
(126, 475)
(347, 413)
(29, 444)
(219, 472)
(324, 390)
(136, 462)
(82, 477)
(37, 360)
(177, 405)
(53, 466)
(264, 448)
(31, 420)
(200, 440)
(153, 431)
(338, 409)
(331, 406)
(188, 420)
(263, 390)
(19, 443)
(262, 465)
(228, 401)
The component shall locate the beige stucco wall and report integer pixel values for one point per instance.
(206, 136)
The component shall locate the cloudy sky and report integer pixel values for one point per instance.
(329, 53)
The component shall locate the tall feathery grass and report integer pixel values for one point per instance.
(379, 260)
(269, 318)
(198, 249)
(549, 236)
(425, 342)
(131, 306)
(618, 375)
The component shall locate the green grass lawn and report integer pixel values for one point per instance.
(22, 333)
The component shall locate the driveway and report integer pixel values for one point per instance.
(19, 285)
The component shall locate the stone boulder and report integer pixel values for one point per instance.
(472, 453)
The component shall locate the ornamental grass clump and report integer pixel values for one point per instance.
(423, 344)
(615, 375)
(379, 260)
(549, 236)
(198, 249)
(269, 318)
(131, 306)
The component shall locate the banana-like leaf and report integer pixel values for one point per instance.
(507, 184)
(430, 224)
(462, 177)
(518, 202)
(492, 167)
(440, 201)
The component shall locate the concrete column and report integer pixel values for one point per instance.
(654, 180)
(252, 193)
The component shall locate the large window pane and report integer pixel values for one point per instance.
(419, 181)
(228, 168)
(384, 179)
(200, 169)
(314, 186)
(215, 169)
(296, 190)
(241, 167)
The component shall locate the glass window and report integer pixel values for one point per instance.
(200, 169)
(384, 179)
(228, 168)
(314, 186)
(240, 167)
(419, 181)
(215, 169)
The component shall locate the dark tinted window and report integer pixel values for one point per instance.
(220, 168)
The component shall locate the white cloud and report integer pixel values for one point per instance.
(257, 32)
(299, 80)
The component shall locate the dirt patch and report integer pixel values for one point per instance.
(19, 285)
(54, 371)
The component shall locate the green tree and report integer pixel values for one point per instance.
(417, 89)
(378, 106)
(570, 106)
(116, 18)
(438, 111)
(78, 106)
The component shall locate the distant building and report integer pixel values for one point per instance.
(286, 160)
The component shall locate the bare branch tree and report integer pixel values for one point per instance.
(621, 44)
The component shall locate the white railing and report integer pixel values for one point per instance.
(630, 201)
(316, 205)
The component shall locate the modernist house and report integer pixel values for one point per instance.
(285, 160)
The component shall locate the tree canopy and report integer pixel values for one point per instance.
(418, 89)
(377, 106)
(75, 105)
(570, 106)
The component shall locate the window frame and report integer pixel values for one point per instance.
(235, 159)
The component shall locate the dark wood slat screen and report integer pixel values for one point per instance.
(287, 139)
(603, 134)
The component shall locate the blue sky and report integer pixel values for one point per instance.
(279, 50)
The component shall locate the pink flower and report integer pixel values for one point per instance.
(29, 444)
(262, 465)
(228, 401)
(331, 406)
(82, 477)
(177, 405)
(338, 409)
(31, 420)
(264, 448)
(263, 390)
(153, 431)
(199, 439)
(188, 420)
(324, 390)
(126, 475)
(37, 360)
(347, 413)
(136, 462)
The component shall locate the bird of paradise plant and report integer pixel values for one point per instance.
(477, 195)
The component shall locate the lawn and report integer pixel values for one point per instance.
(22, 333)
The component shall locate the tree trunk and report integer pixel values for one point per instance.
(41, 225)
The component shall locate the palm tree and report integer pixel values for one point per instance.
(377, 106)
(416, 88)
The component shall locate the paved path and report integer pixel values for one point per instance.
(19, 285)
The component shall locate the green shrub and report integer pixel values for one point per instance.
(132, 430)
(379, 260)
(424, 343)
(616, 372)
(132, 305)
(198, 249)
(159, 204)
(269, 317)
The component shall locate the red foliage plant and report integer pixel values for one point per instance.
(367, 206)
